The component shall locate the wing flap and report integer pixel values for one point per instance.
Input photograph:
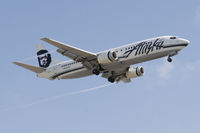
(30, 67)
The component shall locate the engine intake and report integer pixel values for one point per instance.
(134, 72)
(107, 57)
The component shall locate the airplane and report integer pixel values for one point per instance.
(113, 64)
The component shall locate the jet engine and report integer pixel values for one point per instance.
(134, 72)
(107, 57)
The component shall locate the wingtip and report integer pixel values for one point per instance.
(44, 38)
(14, 62)
(17, 63)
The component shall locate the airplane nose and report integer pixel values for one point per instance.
(185, 41)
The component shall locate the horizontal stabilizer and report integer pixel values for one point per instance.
(30, 67)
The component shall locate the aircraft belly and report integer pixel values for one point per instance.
(76, 74)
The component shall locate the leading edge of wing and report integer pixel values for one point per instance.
(68, 48)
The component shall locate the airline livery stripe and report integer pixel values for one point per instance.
(175, 45)
(67, 72)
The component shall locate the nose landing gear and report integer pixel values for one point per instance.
(173, 53)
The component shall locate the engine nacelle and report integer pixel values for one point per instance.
(107, 57)
(134, 72)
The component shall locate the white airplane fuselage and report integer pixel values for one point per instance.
(127, 55)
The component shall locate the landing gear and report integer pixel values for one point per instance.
(97, 69)
(169, 59)
(173, 53)
(111, 79)
(96, 72)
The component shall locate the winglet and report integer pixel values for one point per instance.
(30, 67)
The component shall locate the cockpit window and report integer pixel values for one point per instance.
(173, 37)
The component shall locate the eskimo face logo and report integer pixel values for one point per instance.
(44, 58)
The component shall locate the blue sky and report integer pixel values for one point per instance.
(165, 100)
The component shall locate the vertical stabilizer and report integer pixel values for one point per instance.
(44, 57)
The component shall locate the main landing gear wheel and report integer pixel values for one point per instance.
(111, 79)
(169, 59)
(96, 72)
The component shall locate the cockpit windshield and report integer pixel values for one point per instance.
(173, 37)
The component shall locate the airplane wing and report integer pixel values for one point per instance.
(74, 53)
(30, 67)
